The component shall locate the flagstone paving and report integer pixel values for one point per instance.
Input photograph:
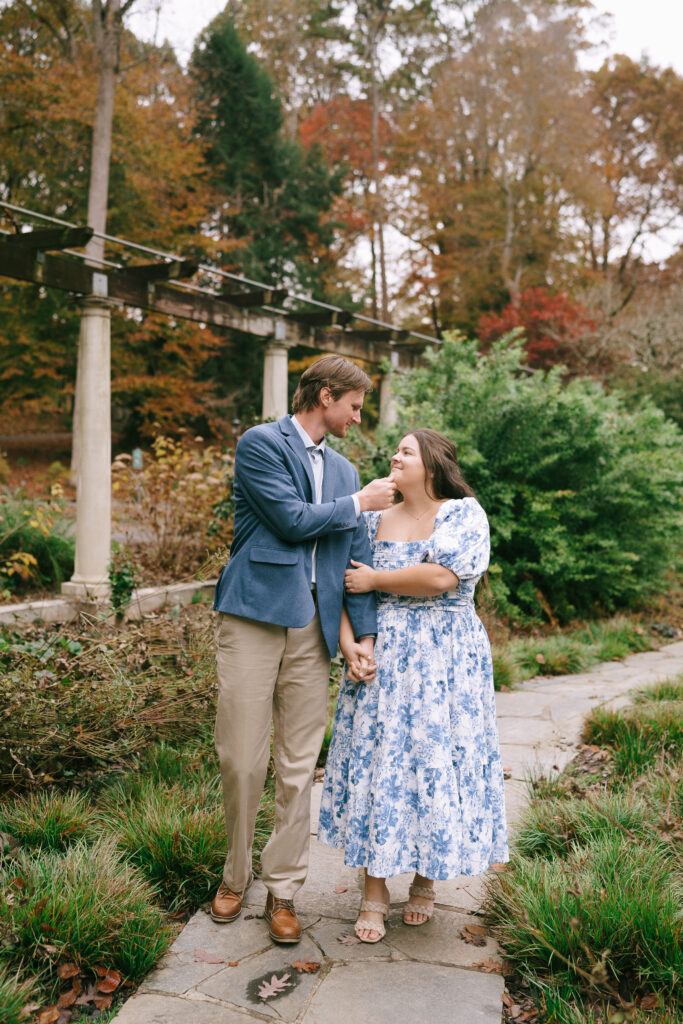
(425, 974)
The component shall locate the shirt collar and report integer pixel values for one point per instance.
(307, 440)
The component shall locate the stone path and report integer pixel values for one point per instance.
(415, 975)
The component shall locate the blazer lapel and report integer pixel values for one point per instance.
(294, 441)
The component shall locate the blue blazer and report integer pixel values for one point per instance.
(268, 577)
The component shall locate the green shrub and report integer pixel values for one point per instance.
(88, 905)
(669, 689)
(583, 495)
(48, 820)
(36, 544)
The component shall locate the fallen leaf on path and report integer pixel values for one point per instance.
(65, 971)
(474, 934)
(306, 966)
(274, 987)
(233, 963)
(201, 956)
(340, 888)
(490, 966)
(348, 940)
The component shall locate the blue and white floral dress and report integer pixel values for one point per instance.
(414, 780)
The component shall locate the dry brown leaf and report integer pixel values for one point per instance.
(233, 963)
(477, 929)
(540, 658)
(202, 957)
(648, 1002)
(102, 1002)
(49, 1015)
(109, 982)
(498, 868)
(490, 966)
(340, 888)
(306, 966)
(65, 971)
(67, 999)
(29, 1009)
(348, 940)
(471, 937)
(507, 999)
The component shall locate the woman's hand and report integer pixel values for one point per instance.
(360, 665)
(359, 580)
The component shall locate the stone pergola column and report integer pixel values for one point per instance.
(275, 399)
(93, 430)
(388, 416)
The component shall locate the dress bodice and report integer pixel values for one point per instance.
(459, 541)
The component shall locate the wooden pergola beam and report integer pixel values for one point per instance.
(45, 239)
(321, 318)
(71, 275)
(175, 270)
(258, 297)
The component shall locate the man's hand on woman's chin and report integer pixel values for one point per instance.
(377, 495)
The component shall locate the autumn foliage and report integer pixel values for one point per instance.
(552, 325)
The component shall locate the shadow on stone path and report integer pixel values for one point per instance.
(425, 974)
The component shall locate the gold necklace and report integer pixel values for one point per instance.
(416, 518)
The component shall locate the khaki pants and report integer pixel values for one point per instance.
(269, 674)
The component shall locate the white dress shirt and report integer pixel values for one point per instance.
(316, 455)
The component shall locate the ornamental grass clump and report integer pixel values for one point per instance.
(85, 905)
(639, 735)
(590, 910)
(48, 820)
(175, 834)
(556, 827)
(15, 994)
(604, 921)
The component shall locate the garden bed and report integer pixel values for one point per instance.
(588, 912)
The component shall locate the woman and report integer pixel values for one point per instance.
(414, 780)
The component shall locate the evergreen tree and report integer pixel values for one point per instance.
(272, 195)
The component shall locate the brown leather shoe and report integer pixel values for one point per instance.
(227, 904)
(285, 926)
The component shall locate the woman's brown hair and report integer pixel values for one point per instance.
(440, 460)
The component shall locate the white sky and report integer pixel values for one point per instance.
(651, 26)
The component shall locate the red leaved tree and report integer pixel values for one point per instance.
(555, 328)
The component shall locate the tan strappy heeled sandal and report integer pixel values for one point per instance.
(371, 926)
(418, 908)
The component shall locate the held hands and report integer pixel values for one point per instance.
(360, 660)
(359, 580)
(377, 495)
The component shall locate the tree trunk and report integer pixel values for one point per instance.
(379, 206)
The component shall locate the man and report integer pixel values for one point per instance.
(298, 522)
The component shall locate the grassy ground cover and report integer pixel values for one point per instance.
(111, 799)
(589, 912)
(111, 825)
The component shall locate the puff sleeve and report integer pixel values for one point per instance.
(460, 540)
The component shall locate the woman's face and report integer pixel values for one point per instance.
(407, 467)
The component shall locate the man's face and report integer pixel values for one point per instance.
(339, 415)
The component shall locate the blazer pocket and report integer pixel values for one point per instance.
(273, 556)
